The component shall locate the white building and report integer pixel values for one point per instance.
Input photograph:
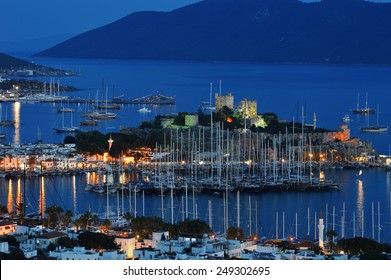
(7, 227)
(80, 253)
(146, 253)
(171, 246)
(4, 248)
(127, 245)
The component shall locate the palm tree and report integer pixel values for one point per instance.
(106, 225)
(66, 218)
(331, 235)
(54, 213)
(77, 223)
(94, 220)
(86, 217)
(128, 216)
(20, 208)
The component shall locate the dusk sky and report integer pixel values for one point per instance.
(26, 19)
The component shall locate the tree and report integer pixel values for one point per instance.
(367, 249)
(66, 218)
(193, 227)
(54, 215)
(21, 210)
(15, 254)
(83, 220)
(180, 120)
(128, 216)
(3, 209)
(144, 226)
(331, 235)
(93, 240)
(11, 240)
(69, 140)
(67, 242)
(235, 233)
(106, 225)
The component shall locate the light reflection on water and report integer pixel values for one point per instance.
(42, 195)
(10, 197)
(16, 110)
(357, 194)
(360, 206)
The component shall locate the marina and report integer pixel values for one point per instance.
(169, 132)
(271, 186)
(68, 191)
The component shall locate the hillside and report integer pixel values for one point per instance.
(330, 31)
(7, 62)
(11, 66)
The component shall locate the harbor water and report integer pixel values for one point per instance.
(360, 207)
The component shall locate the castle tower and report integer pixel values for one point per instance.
(321, 230)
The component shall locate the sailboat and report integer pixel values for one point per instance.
(208, 106)
(6, 122)
(376, 129)
(66, 129)
(88, 121)
(65, 109)
(365, 110)
(102, 115)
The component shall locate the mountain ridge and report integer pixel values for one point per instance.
(330, 31)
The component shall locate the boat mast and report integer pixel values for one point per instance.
(378, 221)
(277, 225)
(210, 213)
(172, 204)
(358, 101)
(238, 209)
(377, 116)
(366, 101)
(373, 221)
(249, 213)
(283, 224)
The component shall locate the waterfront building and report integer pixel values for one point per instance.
(7, 227)
(224, 100)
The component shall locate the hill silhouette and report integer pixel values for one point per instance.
(330, 31)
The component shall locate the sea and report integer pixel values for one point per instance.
(361, 207)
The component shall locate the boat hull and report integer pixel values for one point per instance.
(374, 129)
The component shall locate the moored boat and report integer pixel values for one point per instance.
(144, 110)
